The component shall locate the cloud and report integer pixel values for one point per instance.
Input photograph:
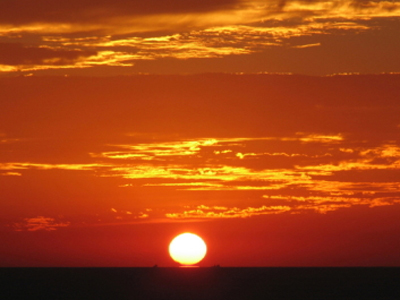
(332, 144)
(11, 174)
(39, 223)
(17, 54)
(88, 11)
(39, 166)
(80, 34)
(5, 140)
(326, 171)
(158, 150)
(103, 13)
(18, 57)
(289, 204)
(307, 46)
(211, 42)
(192, 147)
(226, 154)
(220, 212)
(128, 215)
(385, 157)
(115, 17)
(16, 168)
(326, 203)
(341, 8)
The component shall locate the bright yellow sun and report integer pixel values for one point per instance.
(187, 249)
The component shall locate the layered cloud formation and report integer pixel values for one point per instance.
(58, 35)
(222, 147)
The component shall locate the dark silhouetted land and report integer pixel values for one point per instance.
(200, 283)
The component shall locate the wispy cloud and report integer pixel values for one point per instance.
(192, 147)
(218, 212)
(320, 177)
(307, 46)
(385, 157)
(18, 54)
(128, 215)
(10, 174)
(158, 150)
(155, 14)
(88, 34)
(325, 171)
(6, 140)
(40, 166)
(39, 223)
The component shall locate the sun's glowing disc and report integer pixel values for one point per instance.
(187, 249)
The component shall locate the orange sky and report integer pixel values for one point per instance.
(86, 37)
(269, 169)
(98, 168)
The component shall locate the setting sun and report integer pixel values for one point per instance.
(187, 249)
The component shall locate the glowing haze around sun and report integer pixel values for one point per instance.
(187, 249)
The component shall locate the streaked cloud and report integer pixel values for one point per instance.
(384, 157)
(39, 166)
(290, 144)
(17, 54)
(128, 215)
(163, 150)
(158, 150)
(218, 212)
(311, 172)
(119, 34)
(326, 203)
(307, 46)
(220, 164)
(78, 15)
(6, 140)
(10, 174)
(39, 223)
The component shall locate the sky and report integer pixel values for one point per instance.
(187, 36)
(269, 128)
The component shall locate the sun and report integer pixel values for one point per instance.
(187, 249)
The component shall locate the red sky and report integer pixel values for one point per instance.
(101, 166)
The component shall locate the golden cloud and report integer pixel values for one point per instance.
(220, 212)
(97, 17)
(327, 172)
(158, 150)
(243, 29)
(384, 157)
(326, 203)
(38, 166)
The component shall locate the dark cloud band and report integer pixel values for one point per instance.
(25, 11)
(17, 54)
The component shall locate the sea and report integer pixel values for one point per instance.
(200, 283)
